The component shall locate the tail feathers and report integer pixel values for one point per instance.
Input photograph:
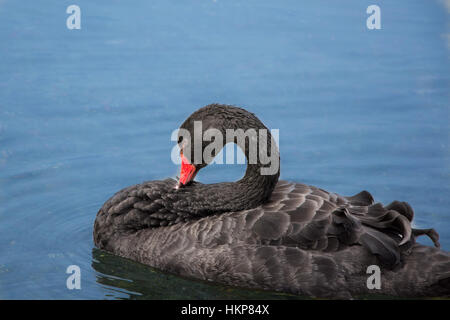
(364, 198)
(387, 233)
(381, 245)
(380, 231)
(384, 231)
(390, 223)
(403, 208)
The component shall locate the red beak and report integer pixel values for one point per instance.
(188, 171)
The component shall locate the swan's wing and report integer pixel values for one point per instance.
(314, 219)
(134, 208)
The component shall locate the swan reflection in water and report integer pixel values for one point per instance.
(126, 279)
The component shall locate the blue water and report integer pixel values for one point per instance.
(84, 113)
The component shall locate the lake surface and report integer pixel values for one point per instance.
(84, 113)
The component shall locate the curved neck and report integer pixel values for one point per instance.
(261, 176)
(263, 166)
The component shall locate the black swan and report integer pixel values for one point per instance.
(267, 234)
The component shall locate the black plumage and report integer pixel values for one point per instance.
(263, 233)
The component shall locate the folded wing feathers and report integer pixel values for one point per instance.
(336, 222)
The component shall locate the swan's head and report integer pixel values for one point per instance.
(204, 127)
(205, 132)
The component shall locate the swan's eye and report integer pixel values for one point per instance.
(180, 139)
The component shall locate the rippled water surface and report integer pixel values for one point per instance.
(84, 113)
